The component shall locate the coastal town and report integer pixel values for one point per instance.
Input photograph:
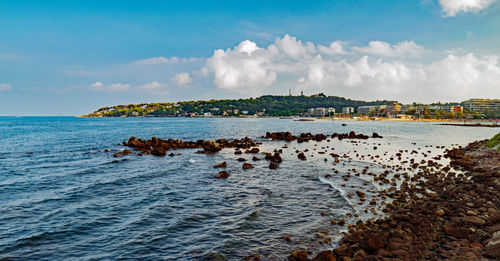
(332, 107)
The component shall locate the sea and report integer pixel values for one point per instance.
(63, 197)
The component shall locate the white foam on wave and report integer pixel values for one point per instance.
(342, 192)
(192, 161)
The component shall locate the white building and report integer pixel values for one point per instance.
(348, 110)
(371, 109)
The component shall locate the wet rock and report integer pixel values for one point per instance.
(241, 159)
(121, 154)
(324, 256)
(253, 150)
(222, 175)
(247, 166)
(211, 146)
(301, 156)
(298, 255)
(221, 165)
(376, 135)
(254, 158)
(273, 165)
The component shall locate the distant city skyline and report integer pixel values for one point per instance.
(73, 57)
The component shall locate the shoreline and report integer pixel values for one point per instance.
(438, 215)
(298, 118)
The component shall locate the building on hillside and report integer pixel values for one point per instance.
(318, 112)
(482, 105)
(365, 110)
(393, 109)
(348, 110)
(330, 111)
(456, 109)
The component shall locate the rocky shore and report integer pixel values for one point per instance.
(439, 214)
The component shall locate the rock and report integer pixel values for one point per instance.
(221, 165)
(123, 153)
(324, 256)
(476, 221)
(471, 213)
(276, 158)
(254, 158)
(222, 175)
(301, 156)
(273, 165)
(247, 166)
(454, 230)
(371, 242)
(298, 255)
(241, 159)
(159, 151)
(492, 249)
(344, 250)
(211, 146)
(439, 212)
(253, 150)
(376, 135)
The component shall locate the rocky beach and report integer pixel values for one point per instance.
(436, 215)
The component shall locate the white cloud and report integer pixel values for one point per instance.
(183, 79)
(155, 88)
(452, 7)
(334, 48)
(96, 85)
(164, 60)
(5, 87)
(99, 86)
(401, 49)
(379, 74)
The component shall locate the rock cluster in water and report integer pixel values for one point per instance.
(305, 137)
(159, 147)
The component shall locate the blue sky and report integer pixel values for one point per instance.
(72, 57)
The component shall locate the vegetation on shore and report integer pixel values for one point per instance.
(495, 141)
(268, 105)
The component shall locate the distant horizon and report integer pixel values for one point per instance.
(72, 57)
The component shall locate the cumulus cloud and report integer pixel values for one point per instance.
(182, 79)
(99, 86)
(381, 72)
(402, 49)
(334, 48)
(5, 87)
(452, 7)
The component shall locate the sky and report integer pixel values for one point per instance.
(73, 57)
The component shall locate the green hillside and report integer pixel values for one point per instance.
(267, 105)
